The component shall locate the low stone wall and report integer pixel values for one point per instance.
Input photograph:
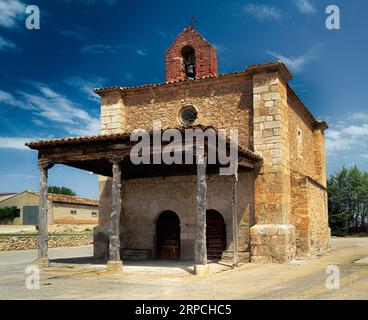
(27, 242)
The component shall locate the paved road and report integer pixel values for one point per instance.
(23, 258)
(74, 275)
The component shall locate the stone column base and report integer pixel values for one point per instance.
(201, 269)
(101, 242)
(42, 262)
(115, 266)
(272, 243)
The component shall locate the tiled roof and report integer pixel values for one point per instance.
(70, 199)
(116, 137)
(60, 198)
(248, 70)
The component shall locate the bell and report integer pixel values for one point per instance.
(190, 70)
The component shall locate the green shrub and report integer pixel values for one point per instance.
(9, 213)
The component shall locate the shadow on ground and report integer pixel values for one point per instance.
(143, 265)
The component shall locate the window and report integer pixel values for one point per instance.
(300, 141)
(188, 115)
(189, 61)
(73, 212)
(94, 214)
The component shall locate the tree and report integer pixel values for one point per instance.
(348, 201)
(9, 213)
(61, 190)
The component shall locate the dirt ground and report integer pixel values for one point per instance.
(75, 275)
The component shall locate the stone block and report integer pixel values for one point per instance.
(115, 267)
(201, 270)
(42, 263)
(272, 242)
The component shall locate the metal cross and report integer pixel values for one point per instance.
(192, 22)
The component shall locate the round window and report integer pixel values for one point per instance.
(188, 115)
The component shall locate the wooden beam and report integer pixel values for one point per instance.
(200, 227)
(42, 260)
(234, 207)
(114, 243)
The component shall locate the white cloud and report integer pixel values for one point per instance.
(359, 116)
(7, 44)
(305, 6)
(15, 142)
(78, 33)
(55, 107)
(47, 104)
(108, 49)
(297, 63)
(263, 12)
(350, 133)
(11, 100)
(11, 12)
(100, 48)
(39, 123)
(87, 86)
(141, 52)
(127, 76)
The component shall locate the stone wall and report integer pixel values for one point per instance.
(309, 212)
(61, 213)
(224, 102)
(301, 139)
(112, 118)
(27, 242)
(273, 237)
(145, 199)
(300, 212)
(319, 230)
(271, 120)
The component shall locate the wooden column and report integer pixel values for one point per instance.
(234, 207)
(200, 227)
(114, 263)
(43, 260)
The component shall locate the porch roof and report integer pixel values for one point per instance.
(94, 154)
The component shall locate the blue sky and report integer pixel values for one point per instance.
(46, 75)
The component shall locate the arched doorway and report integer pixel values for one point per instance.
(168, 236)
(216, 234)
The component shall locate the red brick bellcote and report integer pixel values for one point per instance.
(190, 46)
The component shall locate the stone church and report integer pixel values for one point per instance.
(272, 210)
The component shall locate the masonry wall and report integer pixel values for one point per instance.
(61, 213)
(221, 103)
(301, 140)
(145, 199)
(309, 213)
(319, 229)
(112, 118)
(271, 121)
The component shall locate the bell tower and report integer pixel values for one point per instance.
(190, 57)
